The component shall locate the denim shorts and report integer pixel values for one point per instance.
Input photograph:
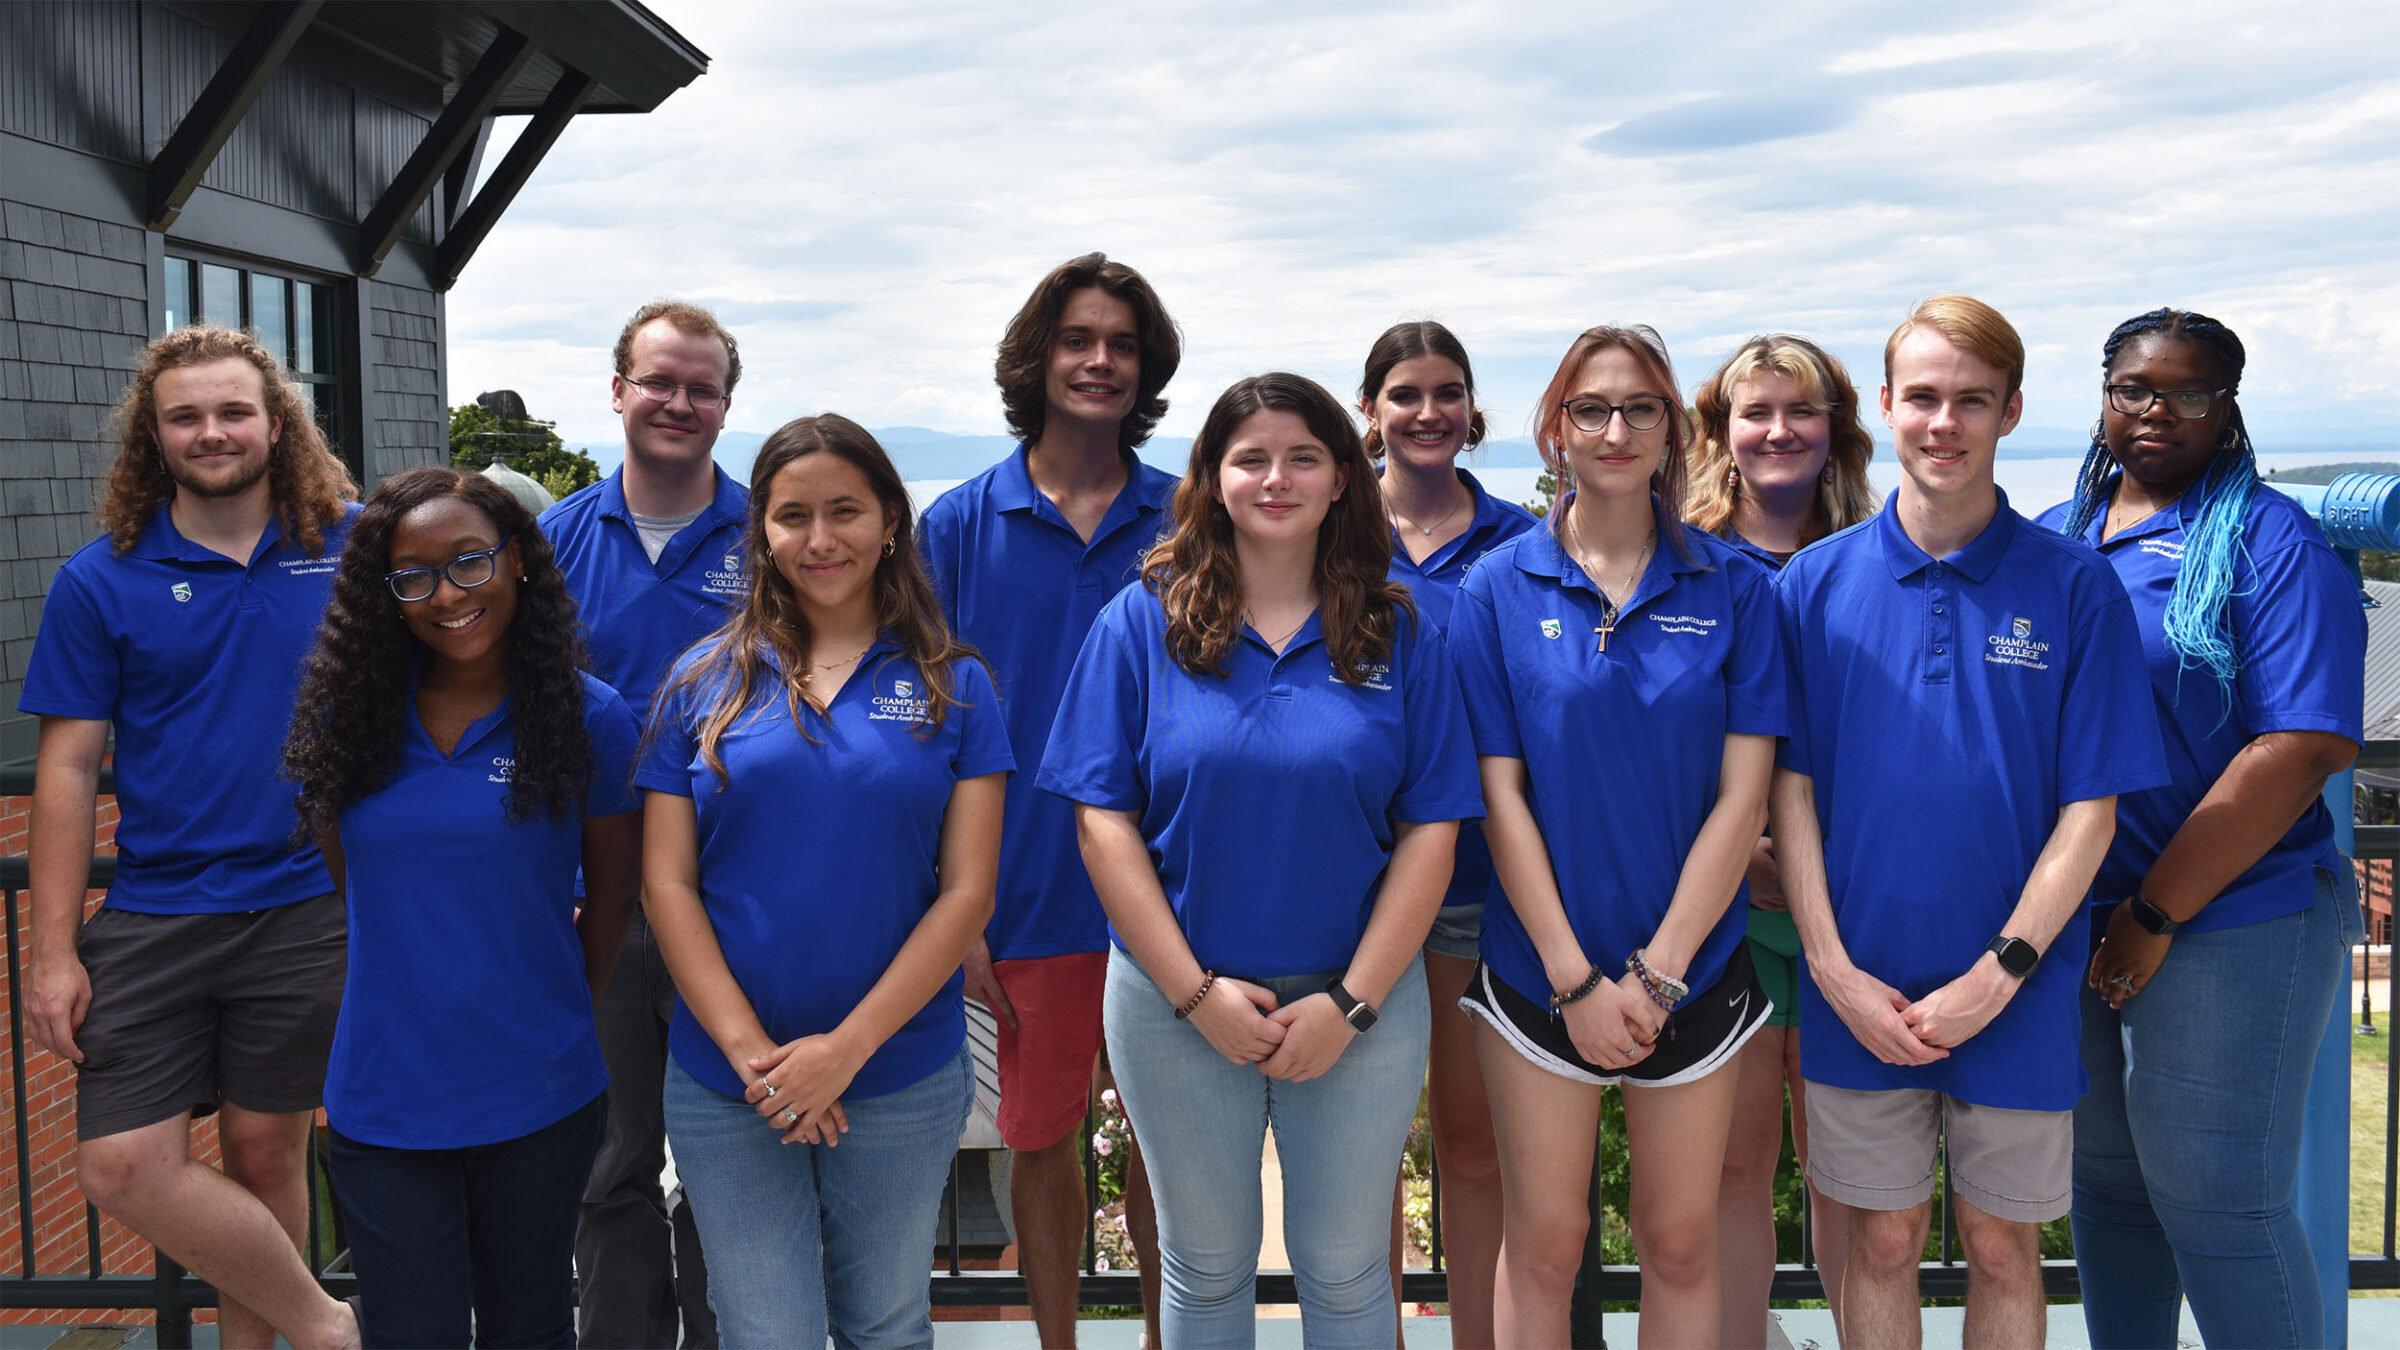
(1457, 931)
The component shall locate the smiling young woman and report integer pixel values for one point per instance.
(458, 768)
(1266, 750)
(2223, 909)
(834, 718)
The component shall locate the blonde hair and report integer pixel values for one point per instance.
(1969, 325)
(1826, 384)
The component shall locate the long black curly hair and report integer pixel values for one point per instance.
(354, 690)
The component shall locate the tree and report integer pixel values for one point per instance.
(531, 447)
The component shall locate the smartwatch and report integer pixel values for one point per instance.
(2017, 956)
(1357, 1014)
(2152, 919)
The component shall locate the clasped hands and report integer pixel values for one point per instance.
(797, 1089)
(1247, 1024)
(1898, 1031)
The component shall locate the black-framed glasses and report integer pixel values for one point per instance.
(1641, 412)
(466, 571)
(2189, 404)
(705, 397)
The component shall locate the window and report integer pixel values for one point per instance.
(292, 316)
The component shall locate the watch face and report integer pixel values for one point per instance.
(1360, 1017)
(2017, 956)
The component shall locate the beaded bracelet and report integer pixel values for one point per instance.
(1208, 981)
(1590, 983)
(1665, 990)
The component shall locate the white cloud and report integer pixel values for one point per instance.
(867, 194)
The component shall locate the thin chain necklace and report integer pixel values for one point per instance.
(1609, 609)
(1277, 643)
(815, 666)
(1426, 530)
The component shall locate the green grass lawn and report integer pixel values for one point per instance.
(2370, 1058)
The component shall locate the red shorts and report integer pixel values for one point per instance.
(1046, 1059)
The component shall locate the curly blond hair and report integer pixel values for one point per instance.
(307, 480)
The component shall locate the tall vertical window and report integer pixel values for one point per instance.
(293, 317)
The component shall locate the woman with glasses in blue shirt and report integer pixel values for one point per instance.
(458, 766)
(2223, 911)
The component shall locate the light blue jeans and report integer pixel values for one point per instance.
(2188, 1146)
(802, 1234)
(1203, 1122)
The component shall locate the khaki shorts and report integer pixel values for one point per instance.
(188, 1009)
(1875, 1150)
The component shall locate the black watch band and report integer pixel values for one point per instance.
(1357, 1014)
(2017, 956)
(2152, 919)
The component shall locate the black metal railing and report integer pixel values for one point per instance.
(174, 1295)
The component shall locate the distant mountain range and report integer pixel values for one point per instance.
(922, 454)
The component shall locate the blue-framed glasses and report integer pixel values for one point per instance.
(466, 571)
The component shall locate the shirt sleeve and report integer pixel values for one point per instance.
(2302, 645)
(1794, 752)
(616, 739)
(1756, 691)
(667, 763)
(1438, 780)
(2108, 740)
(1475, 657)
(1096, 741)
(983, 733)
(937, 544)
(76, 668)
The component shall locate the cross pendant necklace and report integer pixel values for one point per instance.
(1609, 609)
(1608, 621)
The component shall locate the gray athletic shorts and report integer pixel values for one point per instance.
(1875, 1150)
(188, 1009)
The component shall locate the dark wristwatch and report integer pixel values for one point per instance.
(1357, 1014)
(2152, 919)
(2017, 956)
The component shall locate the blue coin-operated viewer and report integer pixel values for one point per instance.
(2358, 511)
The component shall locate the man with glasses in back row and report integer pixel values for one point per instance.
(653, 557)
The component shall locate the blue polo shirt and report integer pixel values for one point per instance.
(195, 660)
(1434, 582)
(1267, 796)
(450, 905)
(1946, 709)
(819, 848)
(1022, 587)
(1623, 748)
(2299, 640)
(640, 615)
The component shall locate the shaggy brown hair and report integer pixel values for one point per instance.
(683, 317)
(1195, 572)
(1023, 369)
(1825, 383)
(767, 641)
(307, 482)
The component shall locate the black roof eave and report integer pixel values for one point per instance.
(628, 50)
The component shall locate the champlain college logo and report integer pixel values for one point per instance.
(504, 770)
(2017, 647)
(182, 591)
(900, 705)
(1551, 629)
(1378, 676)
(725, 578)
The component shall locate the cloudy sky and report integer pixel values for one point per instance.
(866, 193)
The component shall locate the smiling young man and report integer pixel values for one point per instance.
(1969, 700)
(1024, 556)
(210, 978)
(653, 556)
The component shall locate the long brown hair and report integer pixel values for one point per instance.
(768, 639)
(306, 481)
(1407, 341)
(1825, 383)
(1672, 478)
(1194, 569)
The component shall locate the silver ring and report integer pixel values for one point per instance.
(790, 1117)
(2122, 981)
(770, 1089)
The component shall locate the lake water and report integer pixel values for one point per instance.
(2032, 485)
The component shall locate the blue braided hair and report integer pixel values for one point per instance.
(2198, 628)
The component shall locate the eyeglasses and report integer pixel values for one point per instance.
(2189, 404)
(705, 398)
(1641, 412)
(466, 571)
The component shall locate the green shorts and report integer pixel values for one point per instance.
(1775, 955)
